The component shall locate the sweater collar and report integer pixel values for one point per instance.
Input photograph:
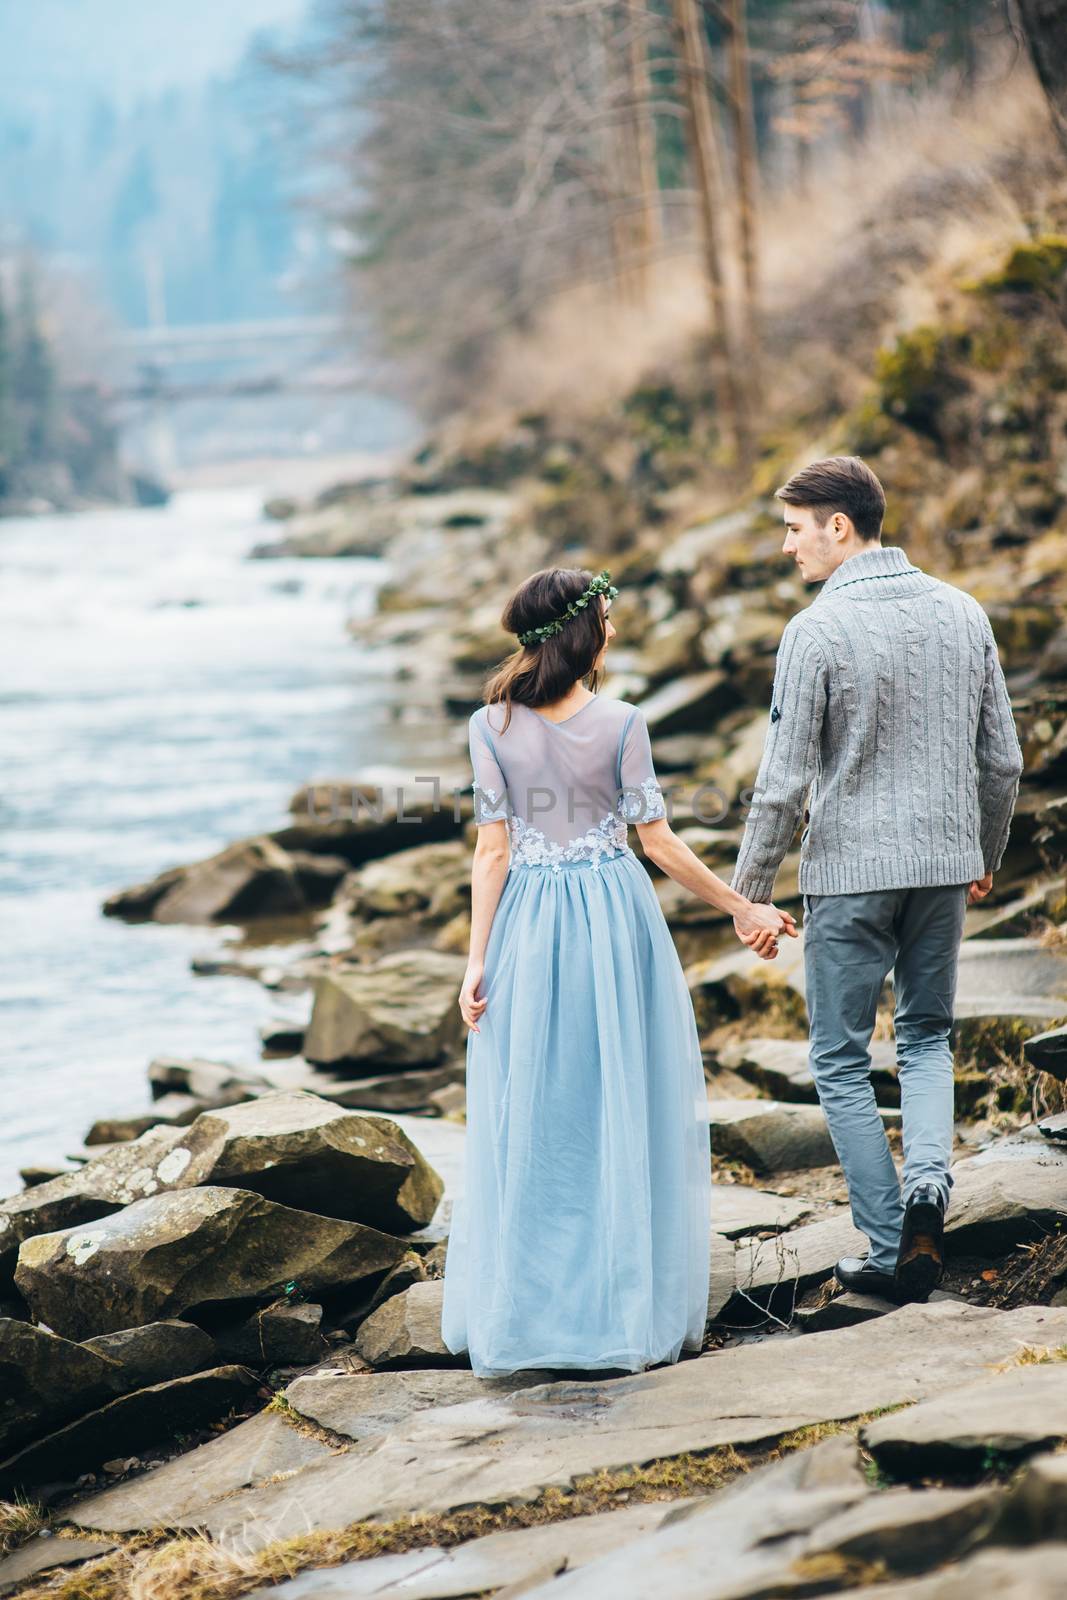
(882, 562)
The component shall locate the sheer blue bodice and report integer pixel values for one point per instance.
(567, 790)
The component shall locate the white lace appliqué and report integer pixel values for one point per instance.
(487, 802)
(530, 848)
(645, 806)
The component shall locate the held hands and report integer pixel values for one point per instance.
(979, 889)
(469, 1004)
(760, 927)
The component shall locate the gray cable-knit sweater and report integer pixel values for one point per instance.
(889, 702)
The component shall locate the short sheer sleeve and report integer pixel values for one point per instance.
(641, 798)
(490, 790)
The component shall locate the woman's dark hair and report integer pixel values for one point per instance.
(539, 674)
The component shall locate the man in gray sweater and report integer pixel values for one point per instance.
(889, 705)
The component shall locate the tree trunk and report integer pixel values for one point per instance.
(1044, 26)
(639, 142)
(702, 140)
(747, 189)
(612, 152)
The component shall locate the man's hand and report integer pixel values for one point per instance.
(979, 889)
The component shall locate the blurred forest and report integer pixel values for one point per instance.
(543, 198)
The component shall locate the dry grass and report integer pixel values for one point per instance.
(311, 1430)
(879, 233)
(1031, 1355)
(1030, 1275)
(1053, 935)
(188, 1566)
(20, 1520)
(191, 1567)
(725, 1169)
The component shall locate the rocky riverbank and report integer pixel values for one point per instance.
(220, 1361)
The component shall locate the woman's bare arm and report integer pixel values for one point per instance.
(758, 924)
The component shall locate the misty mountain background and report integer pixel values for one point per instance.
(136, 147)
(154, 171)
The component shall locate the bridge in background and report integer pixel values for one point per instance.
(271, 356)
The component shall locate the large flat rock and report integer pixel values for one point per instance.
(520, 1556)
(42, 1555)
(301, 1151)
(781, 1068)
(772, 1533)
(366, 1404)
(45, 1379)
(405, 1330)
(1012, 1192)
(772, 1272)
(909, 1531)
(741, 984)
(1036, 1505)
(737, 1210)
(248, 1454)
(1011, 977)
(405, 1091)
(1009, 1413)
(399, 1011)
(1047, 1052)
(511, 1449)
(1035, 1574)
(774, 1135)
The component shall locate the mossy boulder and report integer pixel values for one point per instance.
(918, 374)
(1038, 265)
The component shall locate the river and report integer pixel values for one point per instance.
(160, 696)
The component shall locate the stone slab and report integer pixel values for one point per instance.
(1011, 977)
(843, 1311)
(133, 1422)
(367, 1404)
(1009, 1413)
(44, 1555)
(737, 1209)
(1036, 1574)
(511, 1449)
(770, 1135)
(250, 1453)
(751, 1539)
(741, 1542)
(1036, 1504)
(780, 1067)
(1014, 1191)
(524, 1555)
(907, 1530)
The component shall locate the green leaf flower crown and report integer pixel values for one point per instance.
(601, 584)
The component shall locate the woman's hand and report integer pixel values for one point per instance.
(469, 1003)
(760, 926)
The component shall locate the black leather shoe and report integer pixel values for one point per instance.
(921, 1257)
(854, 1272)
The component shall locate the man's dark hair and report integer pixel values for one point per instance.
(838, 483)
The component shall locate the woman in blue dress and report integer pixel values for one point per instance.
(583, 1237)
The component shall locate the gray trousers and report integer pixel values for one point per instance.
(850, 943)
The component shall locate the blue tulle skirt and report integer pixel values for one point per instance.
(582, 1238)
